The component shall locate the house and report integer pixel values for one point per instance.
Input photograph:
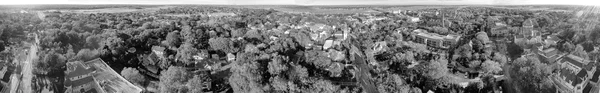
(328, 44)
(414, 19)
(340, 35)
(551, 40)
(435, 40)
(336, 55)
(230, 57)
(150, 63)
(379, 46)
(159, 51)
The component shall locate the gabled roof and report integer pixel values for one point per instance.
(595, 76)
(572, 77)
(569, 59)
(580, 77)
(587, 88)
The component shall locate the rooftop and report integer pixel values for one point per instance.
(424, 33)
(572, 77)
(595, 76)
(158, 48)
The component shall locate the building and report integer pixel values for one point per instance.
(435, 40)
(527, 30)
(159, 51)
(575, 74)
(95, 76)
(110, 80)
(79, 79)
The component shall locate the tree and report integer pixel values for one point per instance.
(133, 76)
(115, 45)
(196, 84)
(393, 83)
(323, 86)
(52, 62)
(579, 51)
(245, 78)
(254, 34)
(491, 66)
(281, 84)
(317, 58)
(173, 80)
(530, 75)
(85, 55)
(436, 69)
(277, 65)
(185, 53)
(222, 44)
(173, 39)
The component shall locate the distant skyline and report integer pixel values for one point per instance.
(312, 2)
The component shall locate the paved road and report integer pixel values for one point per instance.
(27, 69)
(363, 75)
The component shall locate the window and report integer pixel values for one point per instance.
(433, 43)
(447, 44)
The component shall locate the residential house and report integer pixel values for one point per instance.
(230, 57)
(159, 51)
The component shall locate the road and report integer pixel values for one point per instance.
(28, 66)
(363, 75)
(26, 60)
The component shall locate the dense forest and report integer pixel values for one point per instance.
(266, 50)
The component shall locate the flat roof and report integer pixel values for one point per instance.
(572, 61)
(424, 33)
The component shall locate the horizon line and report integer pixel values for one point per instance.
(309, 4)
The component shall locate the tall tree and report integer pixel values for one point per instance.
(173, 80)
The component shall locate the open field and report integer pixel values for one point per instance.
(116, 10)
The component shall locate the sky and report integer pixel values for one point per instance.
(311, 2)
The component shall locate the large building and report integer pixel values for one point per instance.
(527, 30)
(435, 40)
(576, 75)
(95, 76)
(79, 79)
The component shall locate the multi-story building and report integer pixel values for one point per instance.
(79, 79)
(435, 40)
(575, 74)
(95, 76)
